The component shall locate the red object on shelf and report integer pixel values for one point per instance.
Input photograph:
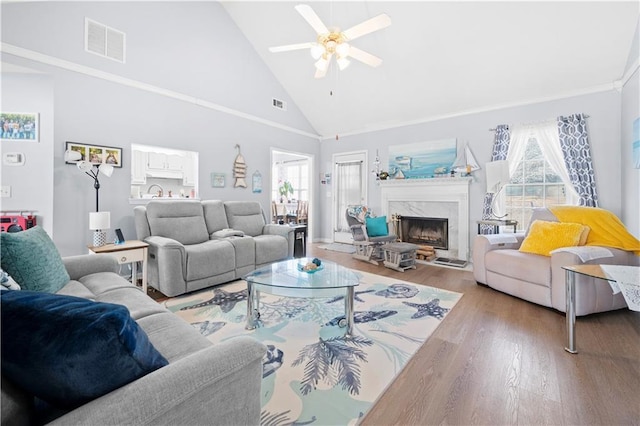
(17, 222)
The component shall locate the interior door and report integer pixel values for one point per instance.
(350, 188)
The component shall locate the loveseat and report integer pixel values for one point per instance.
(198, 244)
(201, 383)
(500, 262)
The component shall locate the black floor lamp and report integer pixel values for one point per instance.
(98, 221)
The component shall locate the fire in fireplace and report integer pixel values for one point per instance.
(430, 231)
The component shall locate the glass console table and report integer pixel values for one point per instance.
(595, 271)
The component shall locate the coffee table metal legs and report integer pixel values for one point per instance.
(570, 279)
(253, 299)
(253, 313)
(348, 311)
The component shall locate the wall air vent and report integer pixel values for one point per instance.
(104, 41)
(277, 103)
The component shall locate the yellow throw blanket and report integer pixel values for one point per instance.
(605, 227)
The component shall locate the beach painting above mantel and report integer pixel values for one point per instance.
(422, 159)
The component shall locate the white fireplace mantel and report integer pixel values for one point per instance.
(435, 190)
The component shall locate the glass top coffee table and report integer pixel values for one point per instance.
(286, 279)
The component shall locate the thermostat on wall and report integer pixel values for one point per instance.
(13, 159)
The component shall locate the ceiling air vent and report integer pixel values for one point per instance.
(277, 103)
(104, 41)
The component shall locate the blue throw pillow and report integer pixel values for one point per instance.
(67, 350)
(377, 226)
(31, 258)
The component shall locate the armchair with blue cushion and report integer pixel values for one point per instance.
(369, 233)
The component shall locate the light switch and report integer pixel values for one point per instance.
(5, 191)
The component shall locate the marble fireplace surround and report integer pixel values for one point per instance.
(437, 197)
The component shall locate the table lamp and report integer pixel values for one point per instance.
(497, 177)
(98, 222)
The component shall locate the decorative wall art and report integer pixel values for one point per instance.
(422, 160)
(636, 143)
(239, 170)
(217, 180)
(19, 126)
(96, 154)
(257, 182)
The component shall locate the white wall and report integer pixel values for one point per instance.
(31, 184)
(168, 48)
(603, 125)
(630, 113)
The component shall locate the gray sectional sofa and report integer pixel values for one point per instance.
(198, 244)
(202, 384)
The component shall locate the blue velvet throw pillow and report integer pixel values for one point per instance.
(32, 259)
(377, 226)
(67, 350)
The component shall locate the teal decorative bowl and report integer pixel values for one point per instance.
(302, 265)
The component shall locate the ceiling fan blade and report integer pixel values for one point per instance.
(364, 57)
(376, 23)
(310, 16)
(288, 47)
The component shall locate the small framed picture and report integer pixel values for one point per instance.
(217, 180)
(95, 154)
(19, 126)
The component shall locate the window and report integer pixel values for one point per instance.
(533, 184)
(295, 172)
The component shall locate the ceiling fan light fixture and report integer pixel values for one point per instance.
(317, 50)
(342, 49)
(322, 64)
(343, 63)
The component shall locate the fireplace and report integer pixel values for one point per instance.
(432, 198)
(431, 231)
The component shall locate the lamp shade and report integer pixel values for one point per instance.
(70, 155)
(99, 220)
(106, 169)
(497, 175)
(85, 166)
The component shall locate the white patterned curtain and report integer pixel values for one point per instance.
(500, 151)
(574, 142)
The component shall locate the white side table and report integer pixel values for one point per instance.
(128, 252)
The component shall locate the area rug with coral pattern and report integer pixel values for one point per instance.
(312, 373)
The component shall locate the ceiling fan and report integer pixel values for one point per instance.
(335, 42)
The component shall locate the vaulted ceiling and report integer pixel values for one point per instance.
(442, 58)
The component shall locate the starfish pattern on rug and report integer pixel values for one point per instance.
(432, 309)
(226, 300)
(355, 296)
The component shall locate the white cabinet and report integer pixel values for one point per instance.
(189, 170)
(174, 162)
(158, 161)
(138, 168)
(164, 165)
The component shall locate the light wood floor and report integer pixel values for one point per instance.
(498, 360)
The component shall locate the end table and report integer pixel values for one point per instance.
(128, 252)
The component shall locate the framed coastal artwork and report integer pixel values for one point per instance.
(217, 180)
(19, 126)
(95, 154)
(422, 160)
(636, 143)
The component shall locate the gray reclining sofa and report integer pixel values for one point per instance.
(198, 244)
(202, 384)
